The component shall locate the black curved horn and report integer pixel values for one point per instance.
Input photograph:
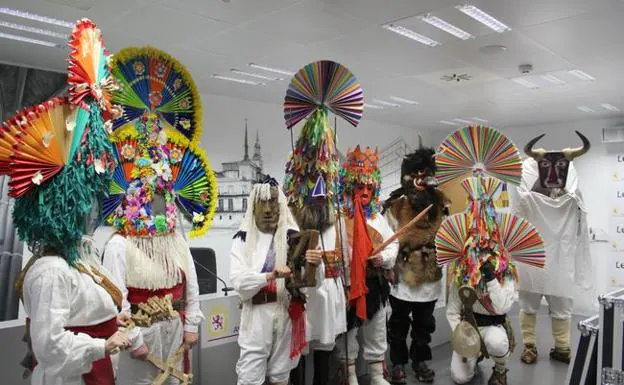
(576, 152)
(528, 148)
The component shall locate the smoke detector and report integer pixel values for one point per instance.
(525, 69)
(456, 77)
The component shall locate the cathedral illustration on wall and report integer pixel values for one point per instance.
(235, 181)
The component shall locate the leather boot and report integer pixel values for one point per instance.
(376, 372)
(321, 367)
(498, 377)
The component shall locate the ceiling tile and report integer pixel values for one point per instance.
(381, 12)
(477, 77)
(587, 39)
(306, 23)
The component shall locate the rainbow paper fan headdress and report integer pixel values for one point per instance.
(360, 168)
(155, 146)
(57, 154)
(315, 90)
(480, 234)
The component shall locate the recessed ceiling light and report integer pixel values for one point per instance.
(582, 75)
(476, 119)
(524, 82)
(585, 109)
(271, 69)
(408, 33)
(609, 107)
(492, 49)
(553, 79)
(448, 123)
(388, 104)
(446, 27)
(27, 40)
(483, 18)
(254, 75)
(462, 121)
(237, 80)
(402, 100)
(373, 106)
(32, 16)
(39, 31)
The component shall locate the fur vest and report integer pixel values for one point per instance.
(416, 263)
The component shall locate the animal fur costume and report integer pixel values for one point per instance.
(416, 279)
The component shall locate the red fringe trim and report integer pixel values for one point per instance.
(296, 313)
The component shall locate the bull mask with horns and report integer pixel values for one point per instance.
(553, 165)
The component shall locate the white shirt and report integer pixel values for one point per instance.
(57, 296)
(115, 262)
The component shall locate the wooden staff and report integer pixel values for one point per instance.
(400, 232)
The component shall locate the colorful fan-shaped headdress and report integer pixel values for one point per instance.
(315, 90)
(58, 155)
(480, 234)
(360, 168)
(155, 138)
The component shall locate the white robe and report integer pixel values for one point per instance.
(264, 350)
(327, 307)
(57, 296)
(374, 337)
(562, 223)
(162, 338)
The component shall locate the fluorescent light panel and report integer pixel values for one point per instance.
(373, 106)
(408, 33)
(254, 75)
(402, 100)
(585, 109)
(32, 16)
(476, 119)
(448, 123)
(237, 80)
(271, 69)
(446, 27)
(384, 103)
(524, 82)
(483, 18)
(27, 40)
(38, 31)
(462, 121)
(582, 75)
(553, 79)
(609, 107)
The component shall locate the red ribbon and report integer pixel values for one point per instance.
(362, 247)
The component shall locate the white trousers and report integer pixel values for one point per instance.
(262, 354)
(559, 307)
(163, 340)
(374, 340)
(497, 344)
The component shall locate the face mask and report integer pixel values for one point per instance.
(364, 192)
(266, 213)
(92, 220)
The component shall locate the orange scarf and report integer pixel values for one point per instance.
(362, 247)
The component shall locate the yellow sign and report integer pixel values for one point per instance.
(217, 321)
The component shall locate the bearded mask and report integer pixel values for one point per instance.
(553, 165)
(418, 180)
(266, 212)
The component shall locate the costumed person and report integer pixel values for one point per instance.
(481, 243)
(417, 283)
(367, 284)
(311, 189)
(273, 321)
(161, 172)
(60, 162)
(550, 197)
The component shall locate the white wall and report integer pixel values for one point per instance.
(594, 179)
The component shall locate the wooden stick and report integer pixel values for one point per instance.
(400, 232)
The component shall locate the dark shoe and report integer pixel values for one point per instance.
(398, 375)
(423, 372)
(498, 378)
(529, 354)
(321, 367)
(561, 355)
